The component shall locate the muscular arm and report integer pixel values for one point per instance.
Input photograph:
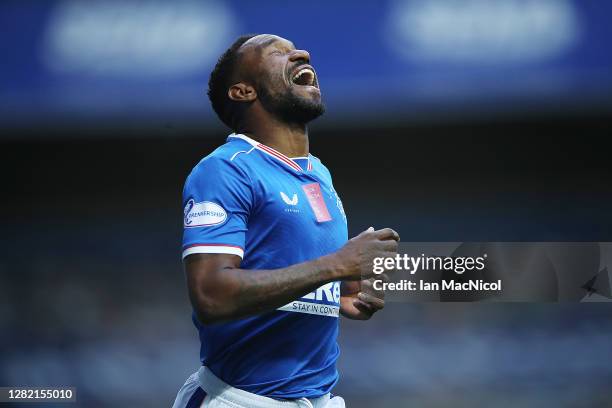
(219, 290)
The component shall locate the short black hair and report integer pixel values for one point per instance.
(219, 82)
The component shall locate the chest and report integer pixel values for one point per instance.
(296, 204)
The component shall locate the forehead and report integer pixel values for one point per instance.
(262, 41)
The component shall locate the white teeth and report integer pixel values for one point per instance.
(304, 71)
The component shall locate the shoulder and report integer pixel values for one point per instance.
(316, 162)
(227, 161)
(219, 177)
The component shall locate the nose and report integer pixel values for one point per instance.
(299, 55)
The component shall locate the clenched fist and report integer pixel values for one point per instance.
(356, 258)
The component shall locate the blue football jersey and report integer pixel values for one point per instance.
(250, 200)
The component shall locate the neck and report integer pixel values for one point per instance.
(289, 139)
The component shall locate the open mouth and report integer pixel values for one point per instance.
(304, 76)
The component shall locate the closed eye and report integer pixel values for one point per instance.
(280, 51)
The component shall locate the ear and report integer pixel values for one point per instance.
(242, 92)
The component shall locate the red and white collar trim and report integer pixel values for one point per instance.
(272, 152)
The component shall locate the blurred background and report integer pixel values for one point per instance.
(448, 120)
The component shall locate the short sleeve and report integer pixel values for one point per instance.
(217, 200)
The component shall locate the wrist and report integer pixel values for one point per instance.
(331, 267)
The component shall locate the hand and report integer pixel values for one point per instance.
(355, 259)
(359, 300)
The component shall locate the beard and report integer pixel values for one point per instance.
(291, 108)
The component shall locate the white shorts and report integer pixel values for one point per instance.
(204, 390)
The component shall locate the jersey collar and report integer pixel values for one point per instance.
(273, 153)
